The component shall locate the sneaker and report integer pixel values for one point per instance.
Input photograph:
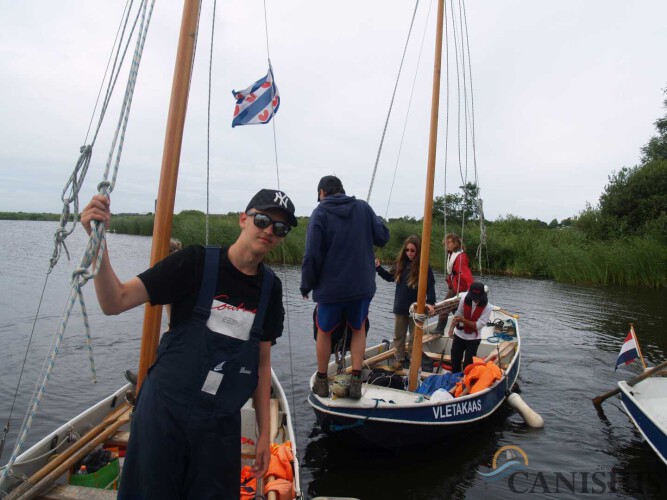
(355, 388)
(321, 387)
(397, 365)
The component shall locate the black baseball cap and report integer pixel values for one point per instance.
(477, 291)
(330, 183)
(273, 198)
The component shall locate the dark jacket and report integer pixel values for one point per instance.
(404, 296)
(339, 262)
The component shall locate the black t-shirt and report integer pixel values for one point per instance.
(176, 280)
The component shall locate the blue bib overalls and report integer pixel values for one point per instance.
(186, 430)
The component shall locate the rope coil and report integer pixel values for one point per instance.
(96, 242)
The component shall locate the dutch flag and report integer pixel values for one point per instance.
(628, 351)
(258, 103)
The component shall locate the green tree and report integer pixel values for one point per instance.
(656, 148)
(457, 207)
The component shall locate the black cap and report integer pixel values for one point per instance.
(330, 183)
(273, 198)
(477, 291)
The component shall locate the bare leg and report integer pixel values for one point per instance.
(324, 350)
(358, 347)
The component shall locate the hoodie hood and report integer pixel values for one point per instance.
(339, 205)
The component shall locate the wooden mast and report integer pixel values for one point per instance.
(171, 155)
(416, 359)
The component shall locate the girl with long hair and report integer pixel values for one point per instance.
(405, 273)
(459, 275)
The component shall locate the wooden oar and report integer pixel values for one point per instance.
(275, 426)
(114, 415)
(504, 311)
(58, 466)
(598, 400)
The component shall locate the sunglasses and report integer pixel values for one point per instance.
(263, 221)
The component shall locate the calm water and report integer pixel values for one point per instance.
(571, 337)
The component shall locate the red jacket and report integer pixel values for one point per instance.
(461, 277)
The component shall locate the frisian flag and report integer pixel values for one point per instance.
(628, 351)
(258, 103)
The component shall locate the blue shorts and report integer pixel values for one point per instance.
(355, 312)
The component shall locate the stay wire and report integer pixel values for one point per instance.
(282, 245)
(208, 126)
(407, 114)
(391, 104)
(273, 87)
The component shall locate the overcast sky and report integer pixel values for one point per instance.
(564, 93)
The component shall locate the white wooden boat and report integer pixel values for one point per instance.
(646, 405)
(402, 417)
(46, 466)
(393, 418)
(63, 441)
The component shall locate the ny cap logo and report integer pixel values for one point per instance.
(281, 198)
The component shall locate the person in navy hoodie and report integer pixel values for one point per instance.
(339, 268)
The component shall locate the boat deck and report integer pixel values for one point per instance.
(651, 395)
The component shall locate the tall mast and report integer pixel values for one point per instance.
(416, 359)
(171, 156)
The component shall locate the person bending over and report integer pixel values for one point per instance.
(470, 317)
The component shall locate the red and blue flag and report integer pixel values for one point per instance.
(628, 351)
(258, 103)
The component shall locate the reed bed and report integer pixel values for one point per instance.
(516, 247)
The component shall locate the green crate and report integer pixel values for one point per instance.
(106, 477)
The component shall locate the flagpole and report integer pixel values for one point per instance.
(634, 336)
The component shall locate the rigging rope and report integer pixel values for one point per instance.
(96, 242)
(407, 114)
(391, 104)
(208, 124)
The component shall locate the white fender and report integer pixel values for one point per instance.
(530, 416)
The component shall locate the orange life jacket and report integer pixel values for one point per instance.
(279, 471)
(478, 376)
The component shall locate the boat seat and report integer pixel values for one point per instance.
(70, 492)
(435, 356)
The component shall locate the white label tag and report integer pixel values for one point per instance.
(212, 382)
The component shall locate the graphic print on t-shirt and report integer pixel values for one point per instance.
(230, 320)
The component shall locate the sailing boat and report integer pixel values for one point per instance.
(394, 417)
(44, 469)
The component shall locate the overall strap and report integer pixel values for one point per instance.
(267, 285)
(202, 310)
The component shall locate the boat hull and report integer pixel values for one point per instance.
(391, 418)
(386, 427)
(646, 405)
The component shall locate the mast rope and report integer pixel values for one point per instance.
(96, 242)
(407, 114)
(391, 104)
